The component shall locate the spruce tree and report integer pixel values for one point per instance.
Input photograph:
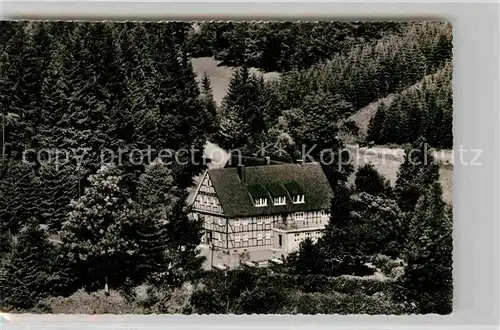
(369, 180)
(6, 242)
(157, 196)
(59, 186)
(167, 239)
(25, 277)
(241, 105)
(335, 242)
(375, 125)
(428, 275)
(20, 197)
(231, 131)
(209, 102)
(183, 239)
(417, 172)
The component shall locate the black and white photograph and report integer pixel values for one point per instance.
(226, 167)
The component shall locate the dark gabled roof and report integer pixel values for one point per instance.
(236, 196)
(236, 159)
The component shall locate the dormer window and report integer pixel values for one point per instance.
(296, 192)
(279, 200)
(259, 195)
(259, 202)
(298, 199)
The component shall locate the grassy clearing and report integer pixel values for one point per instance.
(221, 75)
(388, 160)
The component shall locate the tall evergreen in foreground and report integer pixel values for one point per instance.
(369, 180)
(417, 173)
(208, 101)
(242, 120)
(20, 195)
(24, 279)
(59, 185)
(157, 195)
(428, 276)
(166, 238)
(184, 237)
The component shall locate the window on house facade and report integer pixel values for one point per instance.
(244, 222)
(297, 237)
(298, 199)
(259, 202)
(280, 200)
(259, 220)
(259, 236)
(268, 234)
(267, 219)
(245, 237)
(237, 237)
(237, 222)
(221, 222)
(299, 216)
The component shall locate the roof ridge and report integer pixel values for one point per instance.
(266, 166)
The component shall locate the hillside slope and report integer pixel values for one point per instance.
(363, 116)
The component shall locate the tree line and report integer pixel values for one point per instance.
(426, 109)
(283, 46)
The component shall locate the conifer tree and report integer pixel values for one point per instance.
(428, 275)
(59, 186)
(182, 252)
(20, 196)
(156, 197)
(167, 239)
(25, 277)
(417, 172)
(361, 226)
(334, 244)
(6, 242)
(241, 106)
(369, 180)
(375, 125)
(11, 85)
(231, 131)
(209, 102)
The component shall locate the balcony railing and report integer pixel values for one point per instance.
(290, 225)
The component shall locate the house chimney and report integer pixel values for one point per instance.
(268, 160)
(241, 172)
(300, 161)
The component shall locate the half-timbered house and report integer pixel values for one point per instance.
(263, 212)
